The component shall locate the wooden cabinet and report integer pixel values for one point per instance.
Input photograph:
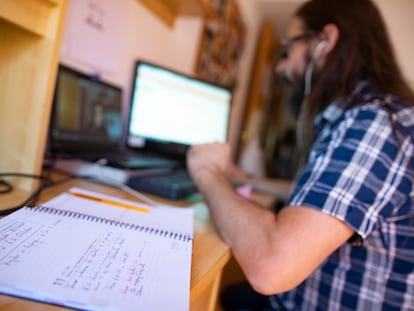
(30, 36)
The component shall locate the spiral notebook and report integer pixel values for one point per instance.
(89, 251)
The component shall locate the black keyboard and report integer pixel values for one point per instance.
(174, 185)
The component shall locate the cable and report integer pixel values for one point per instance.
(139, 195)
(311, 66)
(5, 187)
(114, 183)
(32, 198)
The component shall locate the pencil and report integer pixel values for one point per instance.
(110, 202)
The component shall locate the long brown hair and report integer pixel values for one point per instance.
(363, 51)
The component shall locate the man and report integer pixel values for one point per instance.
(345, 239)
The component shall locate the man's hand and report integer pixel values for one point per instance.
(216, 158)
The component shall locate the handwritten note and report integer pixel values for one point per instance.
(83, 262)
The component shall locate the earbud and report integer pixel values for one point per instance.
(318, 49)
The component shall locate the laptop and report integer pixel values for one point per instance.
(86, 123)
(169, 112)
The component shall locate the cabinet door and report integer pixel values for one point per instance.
(30, 36)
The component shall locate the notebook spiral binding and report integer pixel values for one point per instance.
(103, 220)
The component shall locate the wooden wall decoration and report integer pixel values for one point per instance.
(221, 43)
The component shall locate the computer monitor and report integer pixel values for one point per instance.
(170, 111)
(86, 114)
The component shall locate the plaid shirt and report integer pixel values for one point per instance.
(361, 171)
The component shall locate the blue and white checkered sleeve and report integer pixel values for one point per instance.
(356, 170)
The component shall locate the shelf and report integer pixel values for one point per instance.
(169, 10)
(30, 15)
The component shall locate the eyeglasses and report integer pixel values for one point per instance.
(287, 43)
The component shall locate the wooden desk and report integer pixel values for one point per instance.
(210, 253)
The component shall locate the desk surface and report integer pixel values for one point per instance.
(210, 253)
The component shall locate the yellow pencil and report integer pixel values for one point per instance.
(110, 202)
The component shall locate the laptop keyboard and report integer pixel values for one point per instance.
(136, 161)
(174, 185)
(127, 160)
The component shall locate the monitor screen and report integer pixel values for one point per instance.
(171, 111)
(86, 114)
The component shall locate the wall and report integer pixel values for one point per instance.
(143, 36)
(146, 37)
(398, 15)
